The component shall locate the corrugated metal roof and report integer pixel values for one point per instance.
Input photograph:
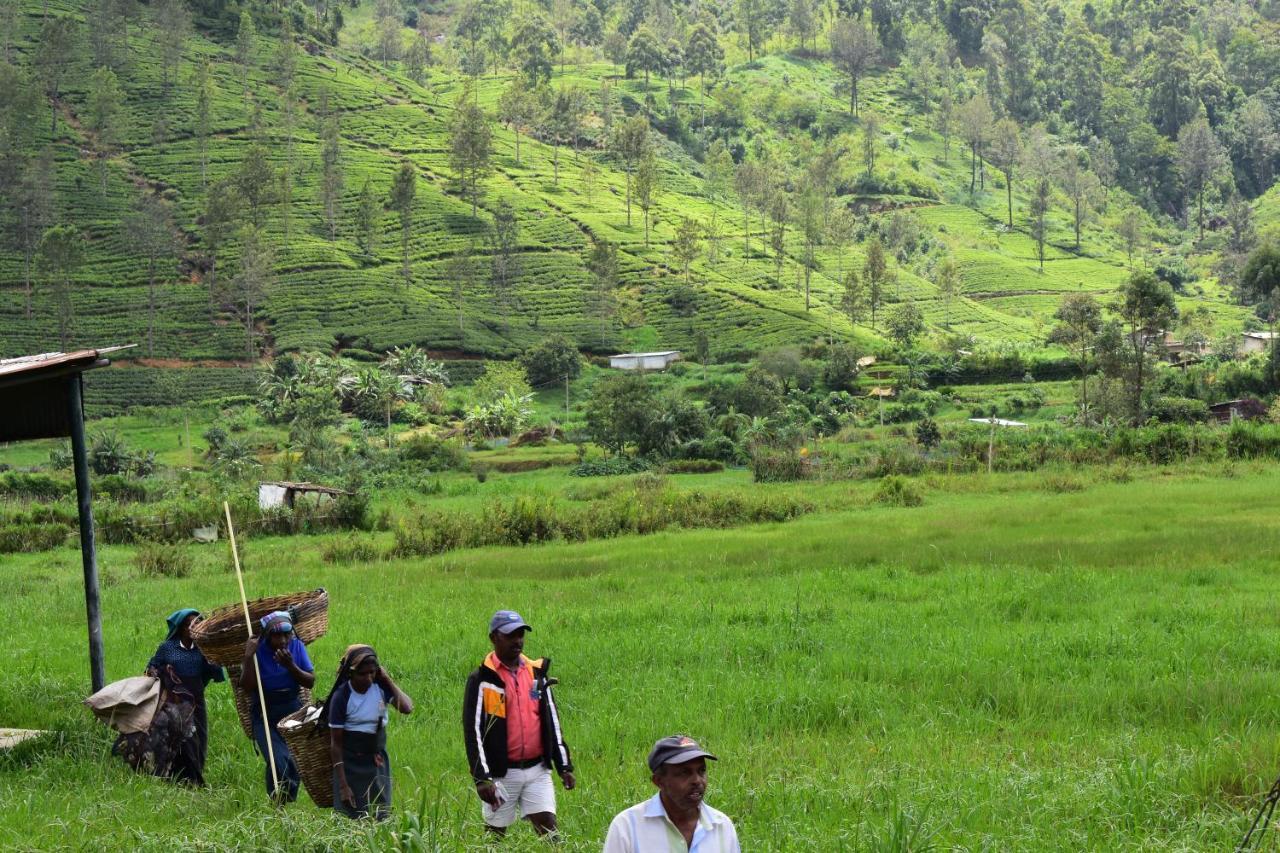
(33, 391)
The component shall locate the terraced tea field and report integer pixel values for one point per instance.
(328, 294)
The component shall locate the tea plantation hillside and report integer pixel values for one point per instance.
(154, 132)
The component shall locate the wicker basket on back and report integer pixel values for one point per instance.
(223, 634)
(244, 701)
(309, 746)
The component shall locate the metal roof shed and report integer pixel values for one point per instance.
(42, 396)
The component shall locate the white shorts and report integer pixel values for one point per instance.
(523, 792)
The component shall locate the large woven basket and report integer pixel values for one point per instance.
(309, 746)
(244, 704)
(223, 634)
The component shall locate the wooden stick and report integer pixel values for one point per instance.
(257, 670)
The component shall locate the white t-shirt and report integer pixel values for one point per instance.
(358, 712)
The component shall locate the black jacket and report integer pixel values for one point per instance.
(484, 722)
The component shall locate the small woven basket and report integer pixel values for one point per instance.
(221, 637)
(244, 704)
(309, 745)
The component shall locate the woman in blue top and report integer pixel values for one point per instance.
(357, 713)
(285, 669)
(179, 737)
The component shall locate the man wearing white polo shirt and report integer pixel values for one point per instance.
(674, 820)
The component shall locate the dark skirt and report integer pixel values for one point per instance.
(368, 772)
(175, 744)
(280, 704)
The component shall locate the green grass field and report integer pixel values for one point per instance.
(1007, 667)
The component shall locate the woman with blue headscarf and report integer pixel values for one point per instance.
(184, 672)
(285, 669)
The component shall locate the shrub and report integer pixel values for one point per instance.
(435, 455)
(31, 537)
(1251, 441)
(647, 506)
(551, 360)
(928, 435)
(349, 549)
(693, 466)
(481, 470)
(897, 491)
(1060, 483)
(777, 465)
(163, 559)
(895, 458)
(610, 466)
(37, 487)
(1183, 410)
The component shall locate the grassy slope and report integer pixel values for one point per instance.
(1095, 677)
(326, 290)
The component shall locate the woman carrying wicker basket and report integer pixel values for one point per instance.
(178, 739)
(285, 669)
(356, 711)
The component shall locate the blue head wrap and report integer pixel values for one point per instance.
(279, 622)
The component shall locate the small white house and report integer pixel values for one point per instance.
(1251, 342)
(272, 495)
(644, 360)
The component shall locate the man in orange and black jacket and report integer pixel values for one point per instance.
(511, 728)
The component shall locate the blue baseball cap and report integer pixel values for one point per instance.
(506, 621)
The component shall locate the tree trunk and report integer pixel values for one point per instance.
(853, 95)
(1008, 186)
(628, 198)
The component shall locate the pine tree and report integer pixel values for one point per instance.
(602, 264)
(331, 173)
(855, 49)
(875, 270)
(367, 211)
(505, 241)
(518, 108)
(630, 144)
(1006, 155)
(404, 189)
(58, 37)
(104, 105)
(463, 276)
(1040, 198)
(204, 99)
(59, 257)
(470, 146)
(174, 22)
(687, 245)
(251, 284)
(223, 205)
(647, 179)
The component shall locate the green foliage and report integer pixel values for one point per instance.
(647, 507)
(553, 359)
(610, 466)
(163, 559)
(778, 465)
(898, 491)
(434, 454)
(31, 537)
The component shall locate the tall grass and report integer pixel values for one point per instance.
(1004, 667)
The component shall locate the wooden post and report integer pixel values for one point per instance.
(257, 670)
(88, 551)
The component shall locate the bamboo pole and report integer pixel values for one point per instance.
(257, 671)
